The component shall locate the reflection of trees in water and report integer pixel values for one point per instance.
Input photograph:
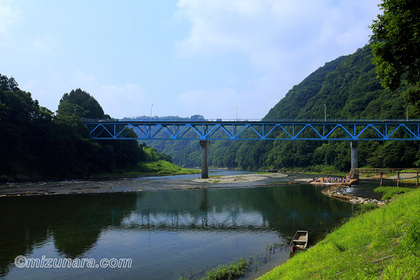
(73, 221)
(303, 207)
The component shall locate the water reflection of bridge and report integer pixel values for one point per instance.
(210, 220)
(221, 211)
(226, 220)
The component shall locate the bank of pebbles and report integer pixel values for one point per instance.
(339, 193)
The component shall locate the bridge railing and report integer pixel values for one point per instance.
(157, 119)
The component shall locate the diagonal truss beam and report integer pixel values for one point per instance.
(357, 130)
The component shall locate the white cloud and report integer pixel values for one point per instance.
(262, 30)
(8, 18)
(285, 40)
(45, 44)
(118, 101)
(18, 39)
(215, 103)
(268, 31)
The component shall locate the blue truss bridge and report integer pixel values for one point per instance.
(292, 130)
(210, 130)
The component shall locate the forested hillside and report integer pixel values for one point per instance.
(349, 88)
(35, 143)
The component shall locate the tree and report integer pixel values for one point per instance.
(396, 44)
(23, 123)
(80, 103)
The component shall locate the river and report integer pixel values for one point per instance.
(165, 233)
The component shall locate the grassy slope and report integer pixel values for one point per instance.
(160, 167)
(383, 243)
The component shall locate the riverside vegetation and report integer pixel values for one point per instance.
(148, 168)
(234, 270)
(238, 268)
(382, 243)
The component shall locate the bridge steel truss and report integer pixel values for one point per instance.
(335, 130)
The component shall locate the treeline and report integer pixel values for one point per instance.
(38, 144)
(350, 89)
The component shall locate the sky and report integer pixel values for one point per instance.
(223, 59)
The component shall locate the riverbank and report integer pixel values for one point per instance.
(383, 243)
(339, 192)
(148, 168)
(153, 180)
(246, 178)
(133, 183)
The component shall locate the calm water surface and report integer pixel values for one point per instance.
(167, 234)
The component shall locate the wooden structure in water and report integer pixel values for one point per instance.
(299, 241)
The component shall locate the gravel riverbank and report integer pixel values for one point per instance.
(339, 192)
(138, 184)
(178, 182)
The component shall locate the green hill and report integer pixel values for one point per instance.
(349, 88)
(38, 144)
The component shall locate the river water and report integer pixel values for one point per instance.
(165, 233)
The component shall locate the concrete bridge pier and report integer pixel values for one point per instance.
(354, 160)
(204, 158)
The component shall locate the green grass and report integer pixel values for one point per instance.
(390, 192)
(234, 270)
(381, 244)
(160, 167)
(318, 169)
(363, 208)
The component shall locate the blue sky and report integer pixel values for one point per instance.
(209, 57)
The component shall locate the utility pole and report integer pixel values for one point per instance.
(237, 113)
(151, 112)
(325, 113)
